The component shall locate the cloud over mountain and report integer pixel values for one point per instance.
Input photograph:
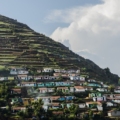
(92, 27)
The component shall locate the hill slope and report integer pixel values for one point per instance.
(22, 46)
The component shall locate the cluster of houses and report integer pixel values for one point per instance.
(95, 93)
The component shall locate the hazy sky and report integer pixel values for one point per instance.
(89, 27)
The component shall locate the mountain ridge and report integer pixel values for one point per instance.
(36, 50)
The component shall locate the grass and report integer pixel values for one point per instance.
(2, 67)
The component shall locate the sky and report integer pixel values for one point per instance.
(88, 27)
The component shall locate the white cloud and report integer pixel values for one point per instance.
(94, 27)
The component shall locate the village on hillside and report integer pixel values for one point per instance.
(57, 93)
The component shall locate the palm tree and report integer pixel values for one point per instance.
(74, 109)
(37, 108)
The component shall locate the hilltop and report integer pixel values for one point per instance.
(22, 46)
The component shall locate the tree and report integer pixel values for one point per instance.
(111, 88)
(37, 108)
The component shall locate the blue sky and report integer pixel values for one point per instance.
(34, 12)
(88, 27)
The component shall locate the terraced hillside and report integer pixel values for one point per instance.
(22, 46)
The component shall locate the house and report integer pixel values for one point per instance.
(73, 74)
(58, 70)
(89, 88)
(102, 89)
(117, 90)
(11, 78)
(54, 98)
(3, 78)
(103, 98)
(109, 96)
(97, 105)
(79, 89)
(15, 71)
(47, 70)
(82, 105)
(114, 113)
(74, 77)
(45, 99)
(116, 100)
(63, 89)
(15, 91)
(18, 109)
(71, 71)
(39, 71)
(45, 107)
(24, 77)
(62, 84)
(56, 105)
(62, 98)
(27, 101)
(22, 72)
(82, 78)
(111, 104)
(28, 84)
(72, 89)
(49, 84)
(105, 86)
(91, 80)
(57, 74)
(65, 75)
(47, 77)
(63, 71)
(43, 90)
(16, 100)
(50, 90)
(66, 105)
(69, 98)
(94, 85)
(95, 94)
(40, 84)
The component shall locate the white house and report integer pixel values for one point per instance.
(114, 113)
(47, 70)
(57, 70)
(22, 77)
(102, 89)
(28, 84)
(79, 89)
(82, 105)
(91, 80)
(99, 98)
(3, 78)
(105, 86)
(117, 90)
(13, 71)
(46, 99)
(45, 77)
(110, 104)
(50, 90)
(43, 90)
(72, 89)
(20, 71)
(74, 77)
(116, 100)
(82, 79)
(100, 107)
(78, 71)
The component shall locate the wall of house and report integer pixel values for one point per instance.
(114, 113)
